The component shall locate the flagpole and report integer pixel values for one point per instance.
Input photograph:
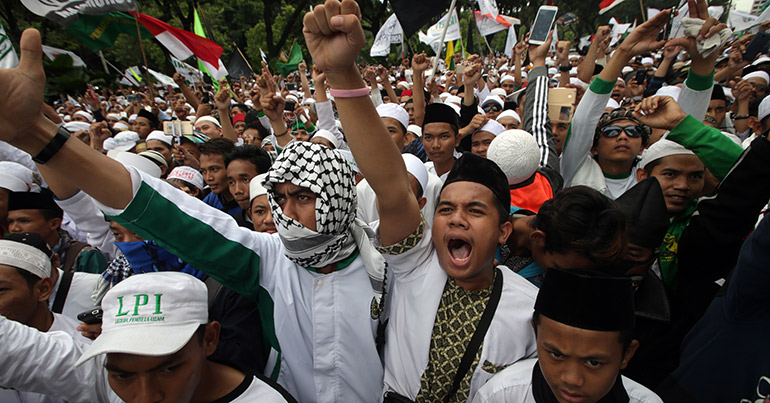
(242, 56)
(441, 43)
(641, 4)
(144, 57)
(104, 63)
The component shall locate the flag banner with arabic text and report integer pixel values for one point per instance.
(66, 11)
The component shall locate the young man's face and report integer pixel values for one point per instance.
(168, 378)
(396, 131)
(618, 91)
(238, 127)
(322, 141)
(410, 110)
(18, 302)
(123, 234)
(300, 135)
(143, 127)
(509, 122)
(33, 221)
(619, 149)
(209, 129)
(580, 365)
(508, 86)
(261, 215)
(480, 143)
(163, 148)
(251, 136)
(214, 172)
(717, 108)
(439, 141)
(239, 174)
(681, 177)
(466, 232)
(297, 203)
(559, 130)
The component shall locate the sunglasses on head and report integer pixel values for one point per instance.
(493, 107)
(614, 131)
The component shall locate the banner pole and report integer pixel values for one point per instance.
(242, 56)
(146, 73)
(441, 43)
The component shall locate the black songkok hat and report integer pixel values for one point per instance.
(32, 239)
(154, 121)
(718, 93)
(34, 201)
(472, 168)
(587, 301)
(647, 214)
(441, 113)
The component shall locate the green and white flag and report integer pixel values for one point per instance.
(8, 58)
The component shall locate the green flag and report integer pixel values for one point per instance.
(294, 59)
(198, 29)
(100, 31)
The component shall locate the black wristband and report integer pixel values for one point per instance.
(53, 146)
(565, 68)
(740, 117)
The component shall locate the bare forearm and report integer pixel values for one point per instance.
(228, 131)
(189, 96)
(418, 96)
(305, 85)
(612, 70)
(587, 66)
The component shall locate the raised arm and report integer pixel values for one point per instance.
(272, 105)
(587, 66)
(334, 38)
(535, 112)
(222, 100)
(188, 94)
(303, 80)
(419, 64)
(562, 58)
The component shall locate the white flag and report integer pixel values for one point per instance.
(617, 32)
(488, 26)
(741, 20)
(716, 11)
(488, 7)
(190, 73)
(651, 12)
(262, 55)
(163, 79)
(388, 34)
(52, 52)
(510, 41)
(8, 58)
(585, 42)
(433, 36)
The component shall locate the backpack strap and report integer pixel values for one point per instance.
(61, 293)
(478, 335)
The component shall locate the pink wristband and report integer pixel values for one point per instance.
(360, 92)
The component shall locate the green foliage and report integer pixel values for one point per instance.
(63, 78)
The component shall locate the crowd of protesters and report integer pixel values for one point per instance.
(561, 225)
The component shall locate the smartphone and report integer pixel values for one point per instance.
(542, 25)
(758, 43)
(134, 98)
(91, 317)
(291, 86)
(561, 104)
(289, 106)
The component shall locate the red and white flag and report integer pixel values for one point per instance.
(606, 5)
(182, 44)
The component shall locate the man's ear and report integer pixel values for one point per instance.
(54, 224)
(505, 231)
(629, 353)
(422, 202)
(641, 174)
(537, 238)
(211, 337)
(594, 152)
(44, 289)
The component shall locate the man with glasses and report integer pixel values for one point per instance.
(492, 106)
(759, 80)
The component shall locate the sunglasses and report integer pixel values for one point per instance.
(494, 108)
(614, 131)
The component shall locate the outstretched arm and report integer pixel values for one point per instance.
(334, 38)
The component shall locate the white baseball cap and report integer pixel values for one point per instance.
(187, 174)
(151, 314)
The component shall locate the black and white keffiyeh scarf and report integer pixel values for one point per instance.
(339, 233)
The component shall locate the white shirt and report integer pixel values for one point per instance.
(367, 199)
(514, 385)
(418, 283)
(61, 324)
(25, 350)
(432, 170)
(79, 295)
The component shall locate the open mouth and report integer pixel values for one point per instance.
(459, 251)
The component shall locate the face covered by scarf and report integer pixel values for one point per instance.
(327, 174)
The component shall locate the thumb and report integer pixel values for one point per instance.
(31, 61)
(684, 42)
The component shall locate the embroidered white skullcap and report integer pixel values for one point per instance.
(25, 257)
(759, 73)
(662, 148)
(493, 127)
(498, 92)
(160, 136)
(210, 120)
(394, 111)
(415, 167)
(508, 113)
(516, 153)
(325, 134)
(417, 130)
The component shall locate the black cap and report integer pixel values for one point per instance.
(441, 113)
(154, 121)
(34, 201)
(647, 214)
(32, 239)
(587, 301)
(472, 168)
(718, 93)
